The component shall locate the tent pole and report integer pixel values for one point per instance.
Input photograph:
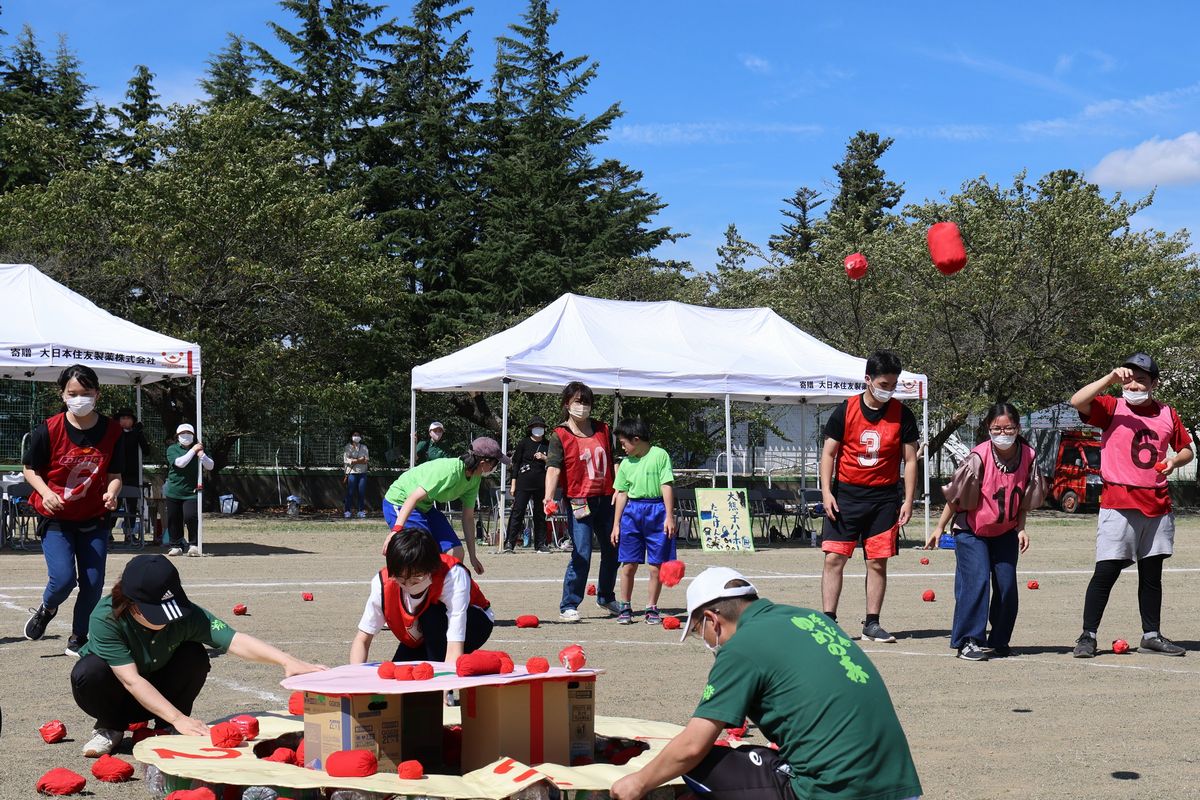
(412, 430)
(199, 478)
(803, 450)
(501, 528)
(728, 445)
(925, 424)
(141, 477)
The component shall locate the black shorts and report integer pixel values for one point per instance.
(741, 773)
(865, 514)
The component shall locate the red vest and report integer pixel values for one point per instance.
(79, 475)
(870, 453)
(587, 463)
(401, 621)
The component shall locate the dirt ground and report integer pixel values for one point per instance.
(1041, 724)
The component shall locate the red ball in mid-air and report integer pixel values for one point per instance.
(856, 266)
(946, 248)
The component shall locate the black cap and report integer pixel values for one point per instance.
(125, 412)
(535, 422)
(1144, 363)
(152, 582)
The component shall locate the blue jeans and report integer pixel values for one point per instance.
(75, 556)
(356, 490)
(986, 566)
(599, 522)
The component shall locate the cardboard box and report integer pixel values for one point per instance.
(533, 722)
(395, 727)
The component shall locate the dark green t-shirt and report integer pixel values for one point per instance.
(181, 481)
(813, 692)
(429, 450)
(126, 641)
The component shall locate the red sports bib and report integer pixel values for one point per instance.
(587, 463)
(1132, 444)
(870, 454)
(401, 621)
(79, 475)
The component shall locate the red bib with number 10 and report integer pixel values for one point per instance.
(870, 453)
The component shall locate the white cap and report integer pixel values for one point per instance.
(710, 585)
(184, 427)
(435, 424)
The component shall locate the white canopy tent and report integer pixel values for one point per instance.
(44, 327)
(663, 349)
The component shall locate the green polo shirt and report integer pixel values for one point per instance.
(181, 481)
(642, 477)
(813, 692)
(126, 641)
(443, 480)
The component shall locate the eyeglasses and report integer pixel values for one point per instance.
(1009, 429)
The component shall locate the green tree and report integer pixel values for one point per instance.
(132, 139)
(865, 195)
(800, 234)
(25, 86)
(230, 74)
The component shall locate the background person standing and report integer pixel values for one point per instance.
(528, 485)
(432, 448)
(355, 459)
(185, 456)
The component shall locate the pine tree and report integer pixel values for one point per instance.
(552, 219)
(230, 74)
(25, 84)
(132, 140)
(325, 96)
(800, 235)
(865, 195)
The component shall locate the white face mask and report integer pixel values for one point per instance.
(80, 405)
(1135, 398)
(435, 436)
(356, 439)
(538, 431)
(420, 586)
(712, 648)
(882, 395)
(579, 411)
(1004, 440)
(186, 439)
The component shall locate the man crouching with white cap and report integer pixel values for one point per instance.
(797, 676)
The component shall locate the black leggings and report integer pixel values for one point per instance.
(101, 694)
(179, 513)
(434, 623)
(516, 517)
(1149, 591)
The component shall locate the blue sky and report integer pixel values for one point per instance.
(729, 107)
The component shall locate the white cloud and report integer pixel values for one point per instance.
(1098, 60)
(756, 63)
(1156, 103)
(671, 133)
(952, 132)
(1153, 162)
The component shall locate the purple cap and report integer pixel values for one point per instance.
(487, 447)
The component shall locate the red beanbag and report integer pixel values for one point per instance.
(670, 623)
(61, 781)
(623, 756)
(671, 573)
(53, 731)
(422, 671)
(591, 590)
(403, 672)
(146, 733)
(307, 597)
(386, 670)
(856, 265)
(299, 761)
(203, 793)
(481, 662)
(226, 734)
(928, 596)
(296, 703)
(537, 664)
(247, 724)
(506, 664)
(946, 248)
(112, 770)
(738, 732)
(282, 755)
(572, 657)
(410, 770)
(351, 764)
(137, 726)
(239, 610)
(527, 621)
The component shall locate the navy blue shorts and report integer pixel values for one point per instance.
(643, 533)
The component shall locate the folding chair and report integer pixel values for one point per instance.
(685, 511)
(135, 523)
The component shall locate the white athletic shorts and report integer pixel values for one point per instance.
(1124, 534)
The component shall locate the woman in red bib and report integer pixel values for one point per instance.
(73, 463)
(988, 499)
(427, 599)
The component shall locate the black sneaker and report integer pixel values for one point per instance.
(1002, 652)
(39, 618)
(972, 652)
(874, 632)
(74, 644)
(1161, 645)
(1085, 646)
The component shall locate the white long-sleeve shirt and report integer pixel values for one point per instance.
(186, 459)
(456, 597)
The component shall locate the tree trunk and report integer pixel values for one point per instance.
(474, 407)
(939, 439)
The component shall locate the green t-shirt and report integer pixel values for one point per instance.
(181, 481)
(813, 692)
(429, 450)
(642, 477)
(444, 480)
(126, 641)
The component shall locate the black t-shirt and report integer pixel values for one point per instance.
(37, 453)
(835, 426)
(133, 443)
(529, 472)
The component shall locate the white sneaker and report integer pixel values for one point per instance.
(346, 515)
(362, 515)
(175, 551)
(570, 615)
(193, 552)
(103, 742)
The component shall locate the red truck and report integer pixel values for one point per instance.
(1075, 479)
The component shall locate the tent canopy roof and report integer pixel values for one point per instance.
(663, 349)
(44, 327)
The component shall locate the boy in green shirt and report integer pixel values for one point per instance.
(644, 516)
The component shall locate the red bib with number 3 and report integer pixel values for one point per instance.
(1133, 444)
(870, 450)
(1000, 493)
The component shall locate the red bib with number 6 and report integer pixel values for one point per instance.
(1000, 493)
(1133, 444)
(870, 450)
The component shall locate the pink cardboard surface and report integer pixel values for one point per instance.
(364, 679)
